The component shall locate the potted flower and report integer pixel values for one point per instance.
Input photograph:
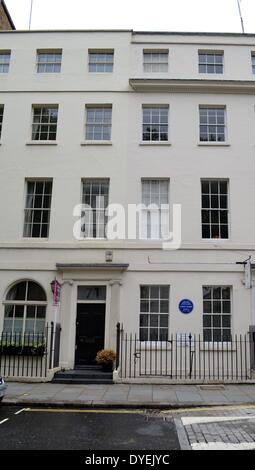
(106, 358)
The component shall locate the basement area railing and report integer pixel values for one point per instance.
(185, 357)
(29, 354)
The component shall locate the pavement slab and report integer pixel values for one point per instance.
(129, 394)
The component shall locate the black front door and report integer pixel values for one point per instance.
(89, 332)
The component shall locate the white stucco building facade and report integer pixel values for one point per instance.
(184, 126)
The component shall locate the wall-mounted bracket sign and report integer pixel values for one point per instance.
(186, 306)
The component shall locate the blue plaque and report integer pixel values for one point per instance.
(186, 306)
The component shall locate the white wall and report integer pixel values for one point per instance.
(125, 162)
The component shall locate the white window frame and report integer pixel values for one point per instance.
(5, 59)
(53, 64)
(156, 118)
(220, 300)
(52, 126)
(31, 210)
(155, 61)
(24, 303)
(96, 128)
(100, 63)
(155, 208)
(218, 209)
(97, 212)
(211, 63)
(207, 110)
(149, 313)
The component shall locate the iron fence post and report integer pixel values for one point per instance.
(117, 345)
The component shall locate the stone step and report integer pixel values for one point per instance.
(83, 376)
(88, 367)
(91, 374)
(83, 381)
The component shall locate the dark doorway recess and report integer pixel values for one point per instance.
(90, 327)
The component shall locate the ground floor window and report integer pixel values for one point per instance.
(25, 309)
(154, 312)
(217, 313)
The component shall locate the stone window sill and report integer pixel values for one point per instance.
(42, 142)
(156, 143)
(213, 144)
(96, 142)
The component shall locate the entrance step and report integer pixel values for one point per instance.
(82, 381)
(88, 367)
(84, 375)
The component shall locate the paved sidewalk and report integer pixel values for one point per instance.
(126, 395)
(217, 428)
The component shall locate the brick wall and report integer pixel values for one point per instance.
(4, 22)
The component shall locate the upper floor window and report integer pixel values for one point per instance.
(212, 124)
(253, 62)
(49, 61)
(37, 209)
(99, 122)
(1, 118)
(210, 62)
(155, 123)
(5, 57)
(155, 215)
(101, 61)
(44, 126)
(25, 310)
(95, 196)
(214, 208)
(155, 61)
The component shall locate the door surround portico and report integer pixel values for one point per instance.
(74, 275)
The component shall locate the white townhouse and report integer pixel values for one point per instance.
(128, 118)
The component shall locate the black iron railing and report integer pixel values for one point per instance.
(29, 354)
(186, 357)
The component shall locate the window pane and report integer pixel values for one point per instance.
(154, 306)
(207, 335)
(35, 292)
(207, 306)
(207, 292)
(17, 292)
(91, 293)
(144, 306)
(9, 311)
(144, 320)
(31, 311)
(163, 320)
(144, 290)
(216, 321)
(29, 326)
(207, 321)
(144, 334)
(153, 334)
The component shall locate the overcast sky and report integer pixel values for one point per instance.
(161, 15)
